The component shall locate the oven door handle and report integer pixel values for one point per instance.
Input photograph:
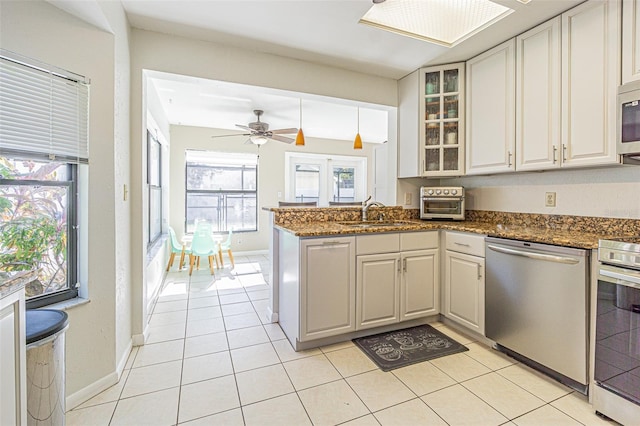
(621, 276)
(442, 198)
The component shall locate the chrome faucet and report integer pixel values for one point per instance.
(365, 207)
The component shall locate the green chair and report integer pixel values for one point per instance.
(203, 244)
(226, 246)
(176, 247)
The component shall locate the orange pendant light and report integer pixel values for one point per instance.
(357, 143)
(300, 135)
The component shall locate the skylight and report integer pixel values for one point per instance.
(443, 22)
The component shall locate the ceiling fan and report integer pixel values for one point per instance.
(259, 132)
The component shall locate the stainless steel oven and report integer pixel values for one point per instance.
(442, 202)
(617, 345)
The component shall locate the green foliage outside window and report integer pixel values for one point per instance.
(33, 223)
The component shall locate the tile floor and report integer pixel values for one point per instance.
(212, 360)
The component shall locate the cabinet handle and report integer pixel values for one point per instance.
(479, 271)
(404, 265)
(564, 153)
(461, 244)
(330, 243)
(510, 162)
(398, 266)
(555, 150)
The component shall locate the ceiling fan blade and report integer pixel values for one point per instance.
(281, 139)
(244, 127)
(289, 131)
(233, 134)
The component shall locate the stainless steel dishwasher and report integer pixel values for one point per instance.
(536, 306)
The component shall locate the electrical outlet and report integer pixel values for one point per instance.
(279, 194)
(238, 241)
(407, 198)
(550, 199)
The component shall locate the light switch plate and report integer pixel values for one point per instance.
(550, 199)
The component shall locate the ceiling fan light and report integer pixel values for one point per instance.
(259, 139)
(357, 143)
(300, 138)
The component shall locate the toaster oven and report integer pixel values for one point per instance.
(442, 202)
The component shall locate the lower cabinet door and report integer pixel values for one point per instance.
(419, 288)
(327, 290)
(464, 290)
(377, 290)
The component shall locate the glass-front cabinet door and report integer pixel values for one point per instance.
(442, 120)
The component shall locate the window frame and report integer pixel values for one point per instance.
(223, 192)
(151, 188)
(71, 184)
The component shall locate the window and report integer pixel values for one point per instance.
(154, 182)
(43, 142)
(222, 189)
(325, 178)
(37, 230)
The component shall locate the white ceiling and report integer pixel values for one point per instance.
(319, 31)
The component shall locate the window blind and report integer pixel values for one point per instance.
(44, 111)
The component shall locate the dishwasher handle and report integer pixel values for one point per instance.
(534, 255)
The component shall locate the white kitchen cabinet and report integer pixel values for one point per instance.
(377, 290)
(13, 399)
(490, 128)
(538, 94)
(590, 78)
(420, 284)
(330, 286)
(409, 126)
(431, 122)
(398, 283)
(317, 287)
(464, 280)
(630, 41)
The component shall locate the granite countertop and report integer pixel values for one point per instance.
(13, 281)
(560, 237)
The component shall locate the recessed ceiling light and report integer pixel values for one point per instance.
(444, 22)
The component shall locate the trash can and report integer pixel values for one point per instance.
(45, 330)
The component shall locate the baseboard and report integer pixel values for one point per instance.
(271, 316)
(123, 359)
(88, 392)
(140, 339)
(250, 252)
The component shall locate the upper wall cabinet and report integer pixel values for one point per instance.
(590, 79)
(630, 40)
(490, 110)
(431, 117)
(538, 97)
(556, 106)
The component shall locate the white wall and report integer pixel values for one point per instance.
(121, 174)
(605, 192)
(97, 336)
(155, 121)
(271, 173)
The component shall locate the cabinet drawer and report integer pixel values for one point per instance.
(378, 243)
(418, 240)
(472, 244)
